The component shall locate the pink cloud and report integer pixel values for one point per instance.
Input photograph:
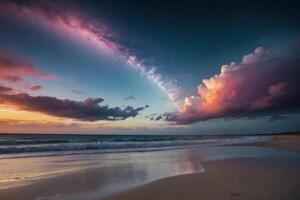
(36, 87)
(11, 78)
(14, 69)
(5, 90)
(274, 91)
(259, 85)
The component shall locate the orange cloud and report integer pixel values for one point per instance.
(259, 85)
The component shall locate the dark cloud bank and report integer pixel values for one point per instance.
(87, 110)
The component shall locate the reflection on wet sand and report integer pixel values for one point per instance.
(188, 166)
(98, 175)
(101, 175)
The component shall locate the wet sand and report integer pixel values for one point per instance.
(291, 142)
(249, 178)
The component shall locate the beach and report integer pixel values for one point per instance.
(249, 178)
(291, 142)
(237, 179)
(149, 100)
(262, 170)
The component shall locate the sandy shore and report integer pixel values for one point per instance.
(250, 178)
(291, 142)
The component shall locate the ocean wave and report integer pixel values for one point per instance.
(31, 142)
(38, 146)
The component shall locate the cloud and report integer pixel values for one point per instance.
(5, 90)
(154, 117)
(158, 118)
(77, 92)
(129, 98)
(36, 87)
(259, 54)
(87, 110)
(11, 78)
(258, 86)
(14, 69)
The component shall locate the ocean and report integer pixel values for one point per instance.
(42, 145)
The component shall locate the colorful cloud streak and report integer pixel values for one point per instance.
(87, 110)
(92, 32)
(258, 86)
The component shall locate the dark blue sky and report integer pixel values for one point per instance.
(197, 37)
(185, 41)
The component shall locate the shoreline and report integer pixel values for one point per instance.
(237, 179)
(243, 178)
(289, 142)
(218, 175)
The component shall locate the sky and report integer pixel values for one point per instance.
(149, 67)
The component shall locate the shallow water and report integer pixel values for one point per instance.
(116, 172)
(25, 157)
